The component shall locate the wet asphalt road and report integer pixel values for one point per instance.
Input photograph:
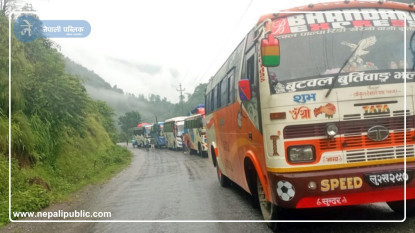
(171, 185)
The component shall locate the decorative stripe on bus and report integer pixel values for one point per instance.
(338, 166)
(380, 195)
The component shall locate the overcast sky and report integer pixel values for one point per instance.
(148, 47)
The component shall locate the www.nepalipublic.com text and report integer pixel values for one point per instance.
(60, 214)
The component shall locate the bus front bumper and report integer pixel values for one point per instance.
(351, 186)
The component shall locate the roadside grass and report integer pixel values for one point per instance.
(90, 159)
(59, 136)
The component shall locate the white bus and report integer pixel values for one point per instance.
(195, 135)
(173, 132)
(142, 135)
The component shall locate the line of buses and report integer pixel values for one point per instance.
(315, 108)
(185, 133)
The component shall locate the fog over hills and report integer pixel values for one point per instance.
(150, 107)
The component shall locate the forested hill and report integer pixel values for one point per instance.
(149, 107)
(88, 77)
(61, 139)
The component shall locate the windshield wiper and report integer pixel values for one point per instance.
(338, 73)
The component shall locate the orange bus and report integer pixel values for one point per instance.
(309, 109)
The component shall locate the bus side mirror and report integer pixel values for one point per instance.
(244, 90)
(270, 51)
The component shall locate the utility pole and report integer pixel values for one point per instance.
(181, 96)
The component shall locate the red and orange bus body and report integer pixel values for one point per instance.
(194, 136)
(326, 126)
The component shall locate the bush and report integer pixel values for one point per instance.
(61, 139)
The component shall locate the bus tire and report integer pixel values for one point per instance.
(186, 149)
(398, 207)
(200, 152)
(269, 210)
(223, 180)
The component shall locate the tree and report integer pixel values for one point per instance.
(129, 120)
(6, 6)
(198, 97)
(107, 118)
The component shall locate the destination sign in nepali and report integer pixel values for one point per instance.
(352, 79)
(342, 19)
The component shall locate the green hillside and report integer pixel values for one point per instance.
(88, 76)
(56, 128)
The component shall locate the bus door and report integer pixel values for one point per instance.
(250, 129)
(252, 106)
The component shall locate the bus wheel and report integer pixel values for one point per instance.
(268, 209)
(223, 180)
(398, 206)
(186, 149)
(199, 147)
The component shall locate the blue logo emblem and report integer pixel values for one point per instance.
(27, 28)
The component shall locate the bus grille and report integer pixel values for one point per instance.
(351, 117)
(353, 140)
(349, 128)
(365, 155)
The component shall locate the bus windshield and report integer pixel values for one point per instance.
(180, 128)
(316, 55)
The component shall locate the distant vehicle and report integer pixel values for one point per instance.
(173, 132)
(199, 109)
(195, 135)
(138, 134)
(157, 135)
(142, 134)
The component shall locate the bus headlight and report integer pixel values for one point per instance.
(301, 154)
(331, 130)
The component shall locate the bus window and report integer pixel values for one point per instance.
(217, 97)
(212, 100)
(207, 103)
(250, 71)
(229, 89)
(224, 90)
